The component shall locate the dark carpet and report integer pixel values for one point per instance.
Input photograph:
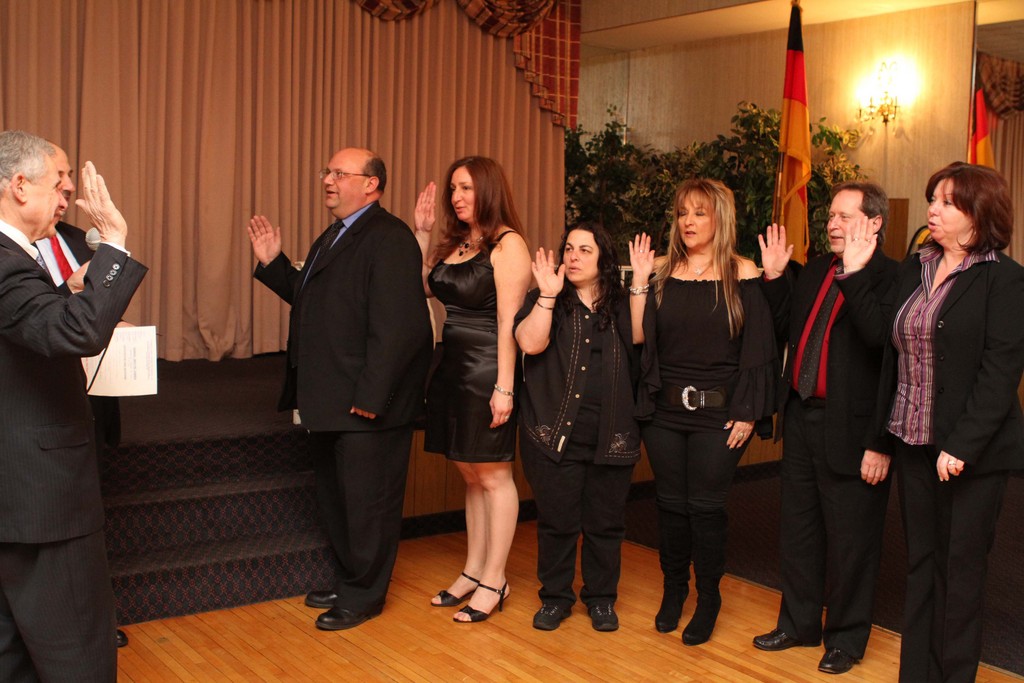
(753, 554)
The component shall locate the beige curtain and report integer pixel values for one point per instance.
(201, 113)
(1008, 146)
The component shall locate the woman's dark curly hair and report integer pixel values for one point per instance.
(609, 279)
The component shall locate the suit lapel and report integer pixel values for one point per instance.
(17, 252)
(962, 283)
(345, 241)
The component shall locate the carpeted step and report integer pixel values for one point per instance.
(137, 467)
(206, 576)
(149, 521)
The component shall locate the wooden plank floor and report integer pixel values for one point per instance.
(276, 641)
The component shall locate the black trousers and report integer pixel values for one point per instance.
(692, 475)
(692, 470)
(831, 526)
(360, 484)
(57, 618)
(574, 497)
(950, 528)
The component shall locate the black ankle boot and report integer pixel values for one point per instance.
(667, 618)
(709, 602)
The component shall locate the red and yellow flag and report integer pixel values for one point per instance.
(980, 151)
(790, 204)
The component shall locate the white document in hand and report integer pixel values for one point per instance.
(127, 367)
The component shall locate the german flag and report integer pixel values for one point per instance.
(980, 151)
(790, 203)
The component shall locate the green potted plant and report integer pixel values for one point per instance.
(630, 188)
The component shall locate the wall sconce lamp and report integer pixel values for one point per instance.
(883, 101)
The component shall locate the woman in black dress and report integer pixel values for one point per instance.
(580, 439)
(709, 367)
(480, 271)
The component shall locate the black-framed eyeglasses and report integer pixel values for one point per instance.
(340, 175)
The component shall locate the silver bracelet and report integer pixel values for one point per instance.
(637, 291)
(504, 392)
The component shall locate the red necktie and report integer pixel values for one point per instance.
(62, 261)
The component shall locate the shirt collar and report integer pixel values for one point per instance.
(347, 221)
(19, 238)
(932, 251)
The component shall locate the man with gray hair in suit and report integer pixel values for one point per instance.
(56, 604)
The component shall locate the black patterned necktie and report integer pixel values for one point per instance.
(326, 242)
(807, 382)
(331, 235)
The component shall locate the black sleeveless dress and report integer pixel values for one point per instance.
(458, 399)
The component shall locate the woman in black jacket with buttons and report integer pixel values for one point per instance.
(578, 437)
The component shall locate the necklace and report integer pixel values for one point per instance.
(700, 271)
(470, 245)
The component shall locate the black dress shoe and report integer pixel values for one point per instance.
(836, 661)
(121, 638)
(321, 599)
(339, 619)
(778, 640)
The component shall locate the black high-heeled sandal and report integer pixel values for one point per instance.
(449, 600)
(476, 615)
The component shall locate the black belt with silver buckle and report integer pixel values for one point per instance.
(692, 398)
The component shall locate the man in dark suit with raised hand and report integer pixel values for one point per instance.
(56, 604)
(359, 349)
(66, 255)
(834, 494)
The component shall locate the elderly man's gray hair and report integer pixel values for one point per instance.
(22, 152)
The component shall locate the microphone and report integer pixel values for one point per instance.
(93, 239)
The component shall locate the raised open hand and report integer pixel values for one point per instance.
(861, 241)
(550, 277)
(641, 259)
(265, 238)
(94, 199)
(775, 253)
(426, 206)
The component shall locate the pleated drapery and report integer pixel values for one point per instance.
(1003, 83)
(200, 114)
(395, 10)
(1002, 80)
(549, 55)
(546, 35)
(1008, 146)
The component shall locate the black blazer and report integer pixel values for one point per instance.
(359, 328)
(979, 357)
(855, 350)
(49, 478)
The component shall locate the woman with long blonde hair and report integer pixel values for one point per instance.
(708, 374)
